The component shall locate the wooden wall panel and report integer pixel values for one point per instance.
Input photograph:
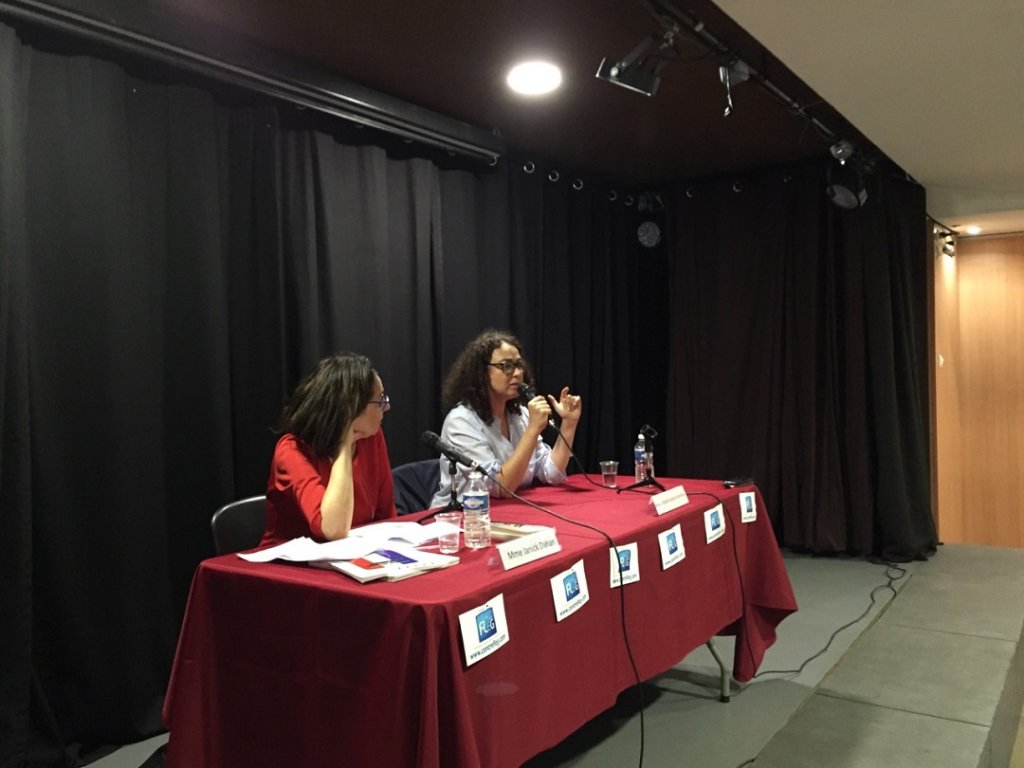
(987, 384)
(947, 399)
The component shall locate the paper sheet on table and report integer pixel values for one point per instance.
(411, 533)
(305, 550)
(360, 542)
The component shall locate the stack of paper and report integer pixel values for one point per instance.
(371, 552)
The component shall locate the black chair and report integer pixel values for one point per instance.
(415, 485)
(239, 525)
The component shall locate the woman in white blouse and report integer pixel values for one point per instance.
(487, 423)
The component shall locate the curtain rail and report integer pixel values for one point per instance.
(145, 33)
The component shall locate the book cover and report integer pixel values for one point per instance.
(506, 531)
(393, 564)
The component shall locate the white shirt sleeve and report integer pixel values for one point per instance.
(485, 444)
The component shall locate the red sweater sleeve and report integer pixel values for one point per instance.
(295, 489)
(298, 480)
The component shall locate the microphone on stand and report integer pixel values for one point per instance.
(434, 440)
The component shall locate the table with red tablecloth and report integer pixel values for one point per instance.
(280, 664)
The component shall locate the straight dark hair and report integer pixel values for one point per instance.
(327, 401)
(469, 379)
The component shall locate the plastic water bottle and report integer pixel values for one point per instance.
(640, 456)
(476, 512)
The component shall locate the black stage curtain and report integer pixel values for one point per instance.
(174, 258)
(800, 358)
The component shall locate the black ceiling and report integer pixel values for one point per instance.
(451, 56)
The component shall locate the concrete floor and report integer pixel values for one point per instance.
(931, 675)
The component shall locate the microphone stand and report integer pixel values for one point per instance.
(648, 478)
(453, 505)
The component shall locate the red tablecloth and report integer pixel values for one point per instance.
(289, 665)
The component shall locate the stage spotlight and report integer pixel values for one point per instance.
(842, 151)
(949, 245)
(733, 73)
(845, 186)
(632, 76)
(639, 71)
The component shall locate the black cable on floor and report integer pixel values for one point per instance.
(891, 579)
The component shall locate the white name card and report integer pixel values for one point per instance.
(569, 591)
(671, 544)
(671, 499)
(484, 629)
(748, 507)
(528, 548)
(625, 564)
(714, 522)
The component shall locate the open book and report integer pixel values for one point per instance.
(391, 563)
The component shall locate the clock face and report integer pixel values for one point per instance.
(649, 234)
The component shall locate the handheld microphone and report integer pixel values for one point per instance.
(433, 440)
(526, 394)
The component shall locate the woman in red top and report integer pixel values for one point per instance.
(330, 469)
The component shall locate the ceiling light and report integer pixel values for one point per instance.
(949, 245)
(972, 229)
(534, 78)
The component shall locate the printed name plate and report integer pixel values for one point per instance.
(526, 549)
(671, 499)
(748, 507)
(484, 629)
(569, 591)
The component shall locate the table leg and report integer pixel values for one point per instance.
(724, 693)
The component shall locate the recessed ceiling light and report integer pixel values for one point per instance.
(973, 229)
(534, 78)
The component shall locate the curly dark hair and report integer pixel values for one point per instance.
(327, 401)
(468, 380)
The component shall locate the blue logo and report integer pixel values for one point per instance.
(673, 544)
(716, 521)
(625, 556)
(485, 626)
(572, 585)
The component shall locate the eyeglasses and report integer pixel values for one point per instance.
(508, 367)
(384, 403)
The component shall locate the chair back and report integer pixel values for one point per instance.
(239, 525)
(415, 485)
